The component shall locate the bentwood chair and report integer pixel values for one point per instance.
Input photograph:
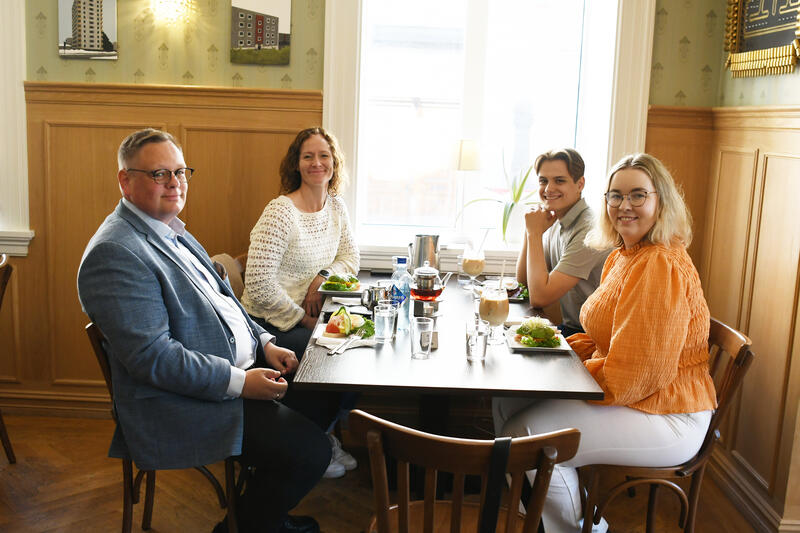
(730, 358)
(234, 269)
(132, 484)
(5, 275)
(493, 460)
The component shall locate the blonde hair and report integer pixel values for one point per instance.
(673, 220)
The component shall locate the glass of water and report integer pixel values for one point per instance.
(421, 337)
(477, 334)
(385, 317)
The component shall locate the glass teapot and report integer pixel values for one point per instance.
(427, 285)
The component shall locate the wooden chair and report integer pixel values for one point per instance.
(5, 274)
(235, 269)
(132, 484)
(722, 340)
(461, 457)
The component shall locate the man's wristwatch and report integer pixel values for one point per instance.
(325, 273)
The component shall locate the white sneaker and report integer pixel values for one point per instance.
(334, 470)
(340, 456)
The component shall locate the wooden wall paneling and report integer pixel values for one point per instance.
(238, 167)
(770, 323)
(74, 130)
(728, 222)
(9, 330)
(681, 138)
(81, 189)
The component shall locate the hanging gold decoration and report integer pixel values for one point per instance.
(772, 60)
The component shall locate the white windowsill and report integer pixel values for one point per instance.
(15, 242)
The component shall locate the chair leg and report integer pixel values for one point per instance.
(127, 495)
(652, 504)
(590, 502)
(6, 442)
(149, 497)
(232, 493)
(694, 497)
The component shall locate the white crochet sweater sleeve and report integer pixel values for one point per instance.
(287, 250)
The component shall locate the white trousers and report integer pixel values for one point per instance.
(609, 435)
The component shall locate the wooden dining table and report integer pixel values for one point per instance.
(388, 367)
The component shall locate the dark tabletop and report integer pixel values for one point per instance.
(389, 367)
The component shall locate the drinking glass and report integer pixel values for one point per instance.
(385, 318)
(494, 309)
(477, 331)
(472, 263)
(396, 304)
(421, 337)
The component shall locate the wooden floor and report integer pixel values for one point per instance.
(63, 481)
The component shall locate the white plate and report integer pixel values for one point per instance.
(356, 293)
(517, 347)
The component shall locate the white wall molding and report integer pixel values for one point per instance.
(631, 89)
(15, 233)
(341, 83)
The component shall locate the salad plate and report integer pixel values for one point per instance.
(341, 285)
(515, 346)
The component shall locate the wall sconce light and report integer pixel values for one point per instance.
(467, 155)
(173, 11)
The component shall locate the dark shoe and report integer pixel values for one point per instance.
(300, 524)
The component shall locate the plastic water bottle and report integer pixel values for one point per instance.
(401, 290)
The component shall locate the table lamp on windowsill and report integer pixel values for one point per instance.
(467, 155)
(467, 160)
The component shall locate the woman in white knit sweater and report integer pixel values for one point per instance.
(302, 235)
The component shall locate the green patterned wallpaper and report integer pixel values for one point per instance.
(184, 54)
(689, 61)
(687, 52)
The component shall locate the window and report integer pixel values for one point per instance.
(500, 73)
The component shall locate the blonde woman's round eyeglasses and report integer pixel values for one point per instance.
(635, 198)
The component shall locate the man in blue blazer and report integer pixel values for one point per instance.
(195, 380)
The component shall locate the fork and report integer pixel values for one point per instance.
(346, 344)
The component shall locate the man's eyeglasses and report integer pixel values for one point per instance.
(162, 176)
(636, 198)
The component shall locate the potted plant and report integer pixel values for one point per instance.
(516, 195)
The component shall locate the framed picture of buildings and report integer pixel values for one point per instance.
(260, 31)
(762, 37)
(87, 29)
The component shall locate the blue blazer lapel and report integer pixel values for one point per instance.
(155, 241)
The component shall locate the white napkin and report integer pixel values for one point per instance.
(333, 342)
(353, 306)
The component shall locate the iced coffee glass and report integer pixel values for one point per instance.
(472, 263)
(494, 309)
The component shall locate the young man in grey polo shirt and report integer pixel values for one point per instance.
(554, 263)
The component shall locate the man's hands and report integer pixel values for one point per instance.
(538, 220)
(312, 303)
(281, 359)
(264, 384)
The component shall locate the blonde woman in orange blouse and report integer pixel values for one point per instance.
(645, 344)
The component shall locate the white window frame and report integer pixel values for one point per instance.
(15, 232)
(340, 114)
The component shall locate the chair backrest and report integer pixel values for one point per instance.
(5, 274)
(461, 457)
(96, 337)
(730, 358)
(235, 270)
